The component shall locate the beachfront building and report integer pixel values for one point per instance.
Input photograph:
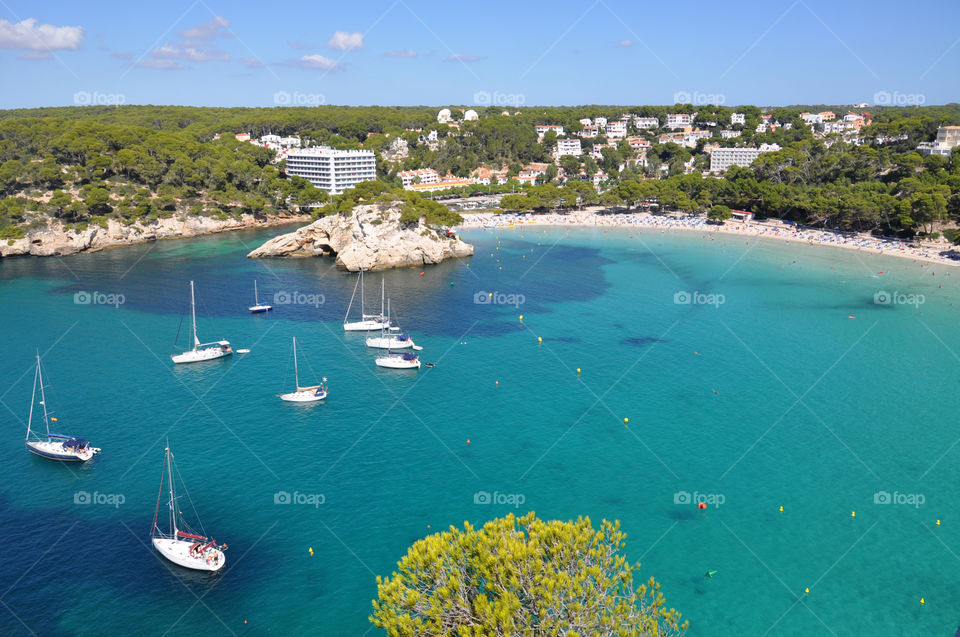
(948, 138)
(722, 158)
(738, 118)
(568, 147)
(423, 176)
(332, 170)
(646, 122)
(679, 120)
(730, 134)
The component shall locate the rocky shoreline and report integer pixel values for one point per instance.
(370, 237)
(56, 241)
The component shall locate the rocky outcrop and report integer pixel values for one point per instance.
(55, 240)
(370, 237)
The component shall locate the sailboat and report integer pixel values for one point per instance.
(304, 394)
(56, 446)
(397, 360)
(367, 322)
(201, 351)
(393, 340)
(190, 550)
(257, 307)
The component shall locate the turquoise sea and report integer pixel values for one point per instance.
(780, 383)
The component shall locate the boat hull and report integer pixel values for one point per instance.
(55, 451)
(382, 342)
(260, 309)
(366, 325)
(178, 552)
(396, 362)
(306, 396)
(201, 355)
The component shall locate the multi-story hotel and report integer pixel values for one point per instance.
(723, 158)
(332, 170)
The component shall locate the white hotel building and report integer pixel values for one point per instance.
(723, 158)
(332, 170)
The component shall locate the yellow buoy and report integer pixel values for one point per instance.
(853, 514)
(578, 370)
(806, 591)
(922, 602)
(490, 295)
(521, 317)
(626, 420)
(539, 339)
(938, 522)
(781, 509)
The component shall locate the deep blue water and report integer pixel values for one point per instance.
(774, 397)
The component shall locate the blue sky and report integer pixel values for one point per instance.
(204, 52)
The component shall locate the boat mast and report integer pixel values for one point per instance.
(296, 372)
(381, 299)
(33, 396)
(256, 297)
(363, 310)
(43, 397)
(355, 285)
(193, 316)
(173, 502)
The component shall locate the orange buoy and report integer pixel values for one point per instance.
(421, 274)
(468, 441)
(701, 505)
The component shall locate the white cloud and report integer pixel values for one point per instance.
(344, 41)
(409, 53)
(625, 43)
(167, 65)
(456, 57)
(30, 36)
(169, 56)
(206, 31)
(316, 61)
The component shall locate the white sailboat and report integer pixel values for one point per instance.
(367, 322)
(304, 394)
(201, 351)
(190, 550)
(397, 360)
(258, 307)
(55, 446)
(394, 340)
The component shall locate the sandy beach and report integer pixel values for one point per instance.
(767, 229)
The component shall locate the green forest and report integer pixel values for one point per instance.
(85, 165)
